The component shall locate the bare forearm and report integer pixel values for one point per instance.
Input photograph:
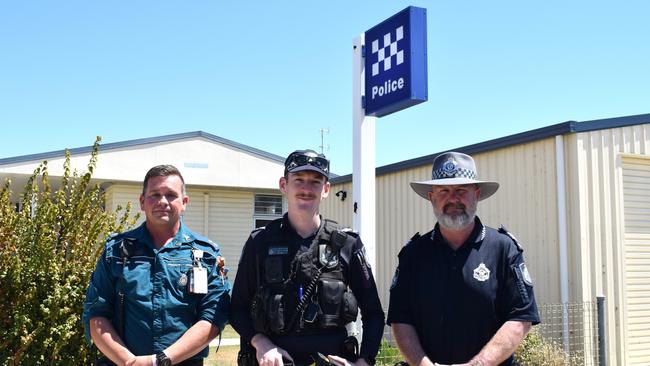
(503, 344)
(409, 344)
(108, 341)
(192, 341)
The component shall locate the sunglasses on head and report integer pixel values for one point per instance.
(300, 159)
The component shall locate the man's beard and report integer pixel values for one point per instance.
(457, 221)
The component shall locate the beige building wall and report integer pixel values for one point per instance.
(231, 221)
(340, 211)
(596, 222)
(636, 243)
(120, 195)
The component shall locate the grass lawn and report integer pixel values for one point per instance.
(229, 332)
(227, 356)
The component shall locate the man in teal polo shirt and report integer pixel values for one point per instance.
(157, 296)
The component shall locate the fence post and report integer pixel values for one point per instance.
(602, 338)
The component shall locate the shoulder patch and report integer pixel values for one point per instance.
(503, 230)
(525, 275)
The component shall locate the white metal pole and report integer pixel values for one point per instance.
(363, 165)
(563, 241)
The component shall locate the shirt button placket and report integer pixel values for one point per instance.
(157, 302)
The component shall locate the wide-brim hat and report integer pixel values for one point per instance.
(454, 168)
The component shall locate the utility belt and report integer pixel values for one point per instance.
(193, 362)
(305, 349)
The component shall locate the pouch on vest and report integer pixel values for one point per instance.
(276, 313)
(258, 311)
(330, 298)
(273, 269)
(349, 308)
(271, 310)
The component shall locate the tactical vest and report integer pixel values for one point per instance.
(303, 289)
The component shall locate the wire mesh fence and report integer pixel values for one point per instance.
(566, 336)
(573, 329)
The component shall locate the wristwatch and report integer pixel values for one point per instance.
(163, 360)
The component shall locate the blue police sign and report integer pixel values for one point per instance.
(396, 63)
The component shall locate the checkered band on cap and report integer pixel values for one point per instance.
(446, 172)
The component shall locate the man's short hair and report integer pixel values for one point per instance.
(164, 170)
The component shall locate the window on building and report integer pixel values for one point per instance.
(268, 207)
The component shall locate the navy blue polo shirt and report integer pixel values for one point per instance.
(458, 299)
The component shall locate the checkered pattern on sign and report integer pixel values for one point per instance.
(388, 52)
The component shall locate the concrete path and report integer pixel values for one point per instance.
(225, 342)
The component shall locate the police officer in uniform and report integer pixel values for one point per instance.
(461, 293)
(302, 278)
(157, 295)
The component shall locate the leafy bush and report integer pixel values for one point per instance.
(388, 354)
(47, 253)
(539, 352)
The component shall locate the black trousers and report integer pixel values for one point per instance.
(195, 362)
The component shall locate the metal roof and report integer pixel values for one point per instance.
(144, 141)
(519, 138)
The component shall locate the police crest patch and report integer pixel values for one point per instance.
(481, 273)
(450, 167)
(182, 281)
(526, 276)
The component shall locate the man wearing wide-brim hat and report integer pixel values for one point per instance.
(461, 293)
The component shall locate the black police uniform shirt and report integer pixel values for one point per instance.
(303, 346)
(457, 300)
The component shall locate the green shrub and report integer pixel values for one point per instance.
(388, 354)
(47, 253)
(539, 352)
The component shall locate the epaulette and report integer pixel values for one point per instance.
(257, 231)
(349, 231)
(113, 237)
(273, 225)
(415, 237)
(206, 240)
(503, 230)
(113, 243)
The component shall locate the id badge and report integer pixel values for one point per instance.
(199, 281)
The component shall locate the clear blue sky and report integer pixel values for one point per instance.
(271, 74)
